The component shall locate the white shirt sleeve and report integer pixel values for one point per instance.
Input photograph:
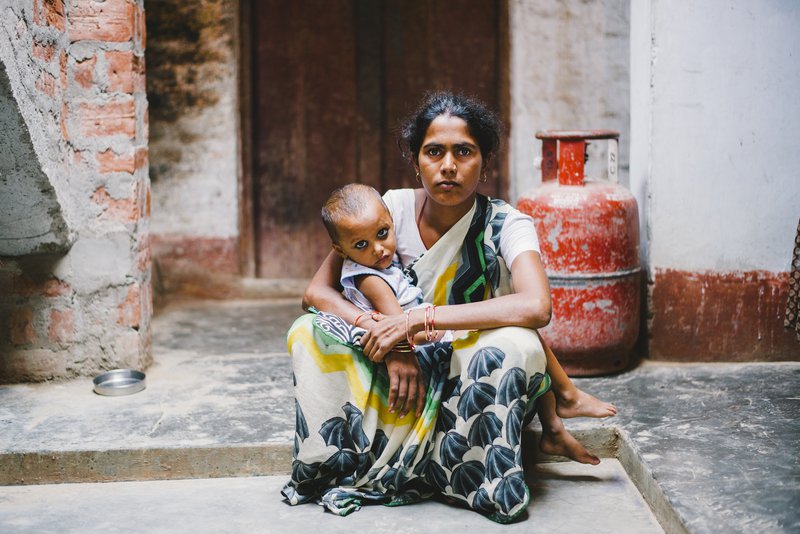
(517, 236)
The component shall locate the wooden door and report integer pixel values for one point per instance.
(332, 80)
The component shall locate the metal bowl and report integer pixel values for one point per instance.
(119, 382)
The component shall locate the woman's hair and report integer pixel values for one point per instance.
(483, 124)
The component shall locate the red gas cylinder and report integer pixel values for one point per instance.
(589, 238)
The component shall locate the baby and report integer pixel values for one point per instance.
(362, 232)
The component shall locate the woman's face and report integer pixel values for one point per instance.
(450, 162)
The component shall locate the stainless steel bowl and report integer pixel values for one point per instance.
(119, 382)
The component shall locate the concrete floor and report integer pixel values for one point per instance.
(713, 448)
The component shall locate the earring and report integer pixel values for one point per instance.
(483, 177)
(419, 178)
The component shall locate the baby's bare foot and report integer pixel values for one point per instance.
(562, 443)
(581, 404)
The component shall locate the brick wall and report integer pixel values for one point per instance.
(77, 73)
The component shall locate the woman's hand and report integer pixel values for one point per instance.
(383, 333)
(406, 384)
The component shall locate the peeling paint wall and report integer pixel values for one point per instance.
(194, 142)
(715, 167)
(569, 70)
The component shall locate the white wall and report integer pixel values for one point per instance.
(715, 109)
(569, 70)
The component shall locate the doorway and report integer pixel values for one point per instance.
(330, 82)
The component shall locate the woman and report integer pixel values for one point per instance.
(447, 420)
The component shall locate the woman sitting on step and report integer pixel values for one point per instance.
(378, 425)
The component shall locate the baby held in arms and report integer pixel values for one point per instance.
(361, 228)
(362, 232)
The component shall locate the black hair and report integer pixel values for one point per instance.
(482, 123)
(347, 201)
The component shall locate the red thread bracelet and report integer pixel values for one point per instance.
(408, 331)
(355, 323)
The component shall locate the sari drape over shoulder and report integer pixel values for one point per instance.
(350, 449)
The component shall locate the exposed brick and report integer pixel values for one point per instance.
(147, 213)
(145, 259)
(122, 210)
(63, 120)
(121, 71)
(22, 331)
(110, 161)
(110, 20)
(44, 51)
(31, 365)
(131, 308)
(62, 326)
(49, 13)
(46, 83)
(109, 118)
(63, 70)
(22, 285)
(83, 72)
(56, 288)
(140, 28)
(140, 158)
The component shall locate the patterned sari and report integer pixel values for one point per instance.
(466, 446)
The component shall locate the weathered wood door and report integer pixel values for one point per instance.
(332, 79)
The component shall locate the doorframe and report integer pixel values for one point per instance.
(248, 210)
(247, 196)
(504, 96)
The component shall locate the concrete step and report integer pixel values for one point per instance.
(218, 403)
(566, 497)
(711, 447)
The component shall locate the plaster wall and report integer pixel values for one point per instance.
(718, 82)
(193, 139)
(569, 70)
(714, 167)
(194, 144)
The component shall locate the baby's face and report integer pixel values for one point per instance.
(368, 239)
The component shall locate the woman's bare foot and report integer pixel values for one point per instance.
(555, 438)
(562, 443)
(578, 403)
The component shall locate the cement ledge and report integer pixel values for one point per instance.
(163, 463)
(118, 465)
